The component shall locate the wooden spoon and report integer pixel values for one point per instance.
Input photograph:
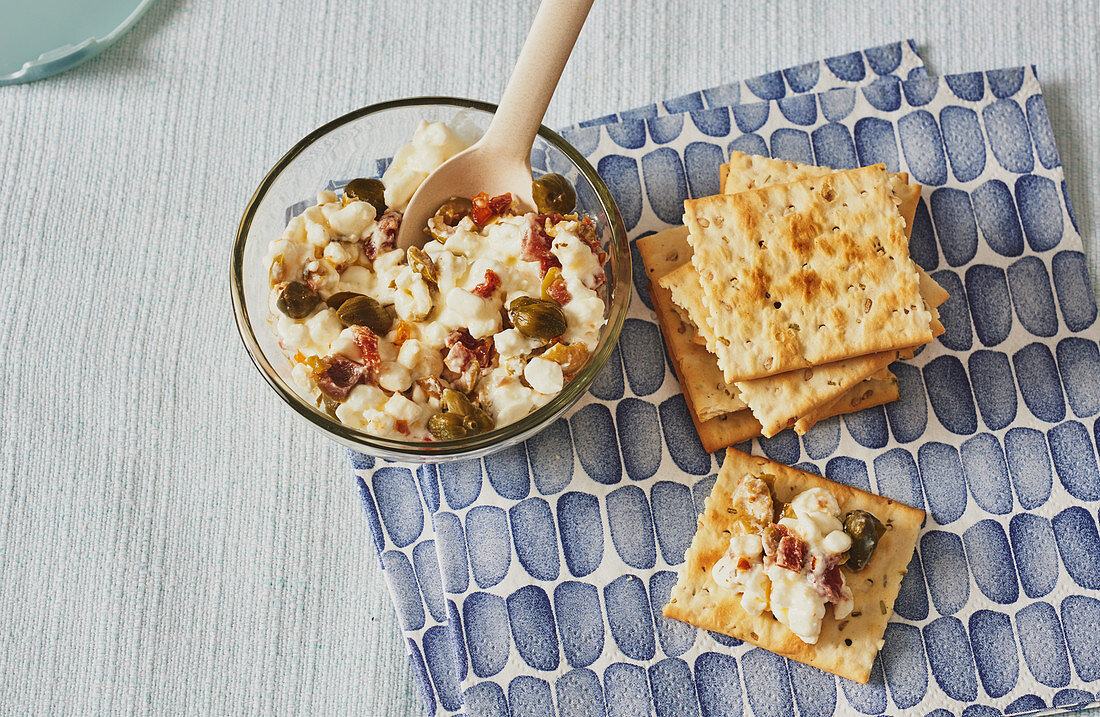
(500, 161)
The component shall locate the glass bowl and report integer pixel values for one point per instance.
(359, 144)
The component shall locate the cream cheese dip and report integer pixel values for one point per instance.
(479, 328)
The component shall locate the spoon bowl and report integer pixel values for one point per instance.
(477, 167)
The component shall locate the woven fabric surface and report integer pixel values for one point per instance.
(172, 540)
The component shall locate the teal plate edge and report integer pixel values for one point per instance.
(67, 57)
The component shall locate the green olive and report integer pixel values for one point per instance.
(296, 300)
(337, 300)
(569, 356)
(553, 194)
(422, 264)
(538, 318)
(371, 191)
(365, 311)
(865, 530)
(447, 426)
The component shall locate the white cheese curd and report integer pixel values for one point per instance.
(445, 316)
(394, 377)
(463, 309)
(816, 515)
(577, 259)
(402, 408)
(751, 582)
(508, 398)
(836, 542)
(796, 603)
(432, 144)
(511, 342)
(544, 376)
(353, 221)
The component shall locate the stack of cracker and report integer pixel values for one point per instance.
(784, 298)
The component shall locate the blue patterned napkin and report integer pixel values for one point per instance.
(534, 579)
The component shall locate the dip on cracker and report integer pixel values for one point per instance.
(776, 547)
(790, 566)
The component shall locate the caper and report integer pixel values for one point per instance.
(422, 264)
(521, 301)
(456, 402)
(370, 190)
(865, 530)
(453, 210)
(337, 300)
(447, 426)
(474, 418)
(296, 300)
(538, 318)
(365, 311)
(477, 422)
(553, 194)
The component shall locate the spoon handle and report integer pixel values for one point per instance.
(535, 77)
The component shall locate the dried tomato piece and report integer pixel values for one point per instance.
(384, 236)
(458, 358)
(587, 232)
(790, 553)
(486, 207)
(831, 582)
(367, 341)
(480, 348)
(536, 244)
(772, 534)
(341, 375)
(486, 288)
(559, 292)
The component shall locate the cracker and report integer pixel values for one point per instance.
(846, 648)
(700, 379)
(687, 293)
(779, 401)
(777, 276)
(725, 429)
(880, 388)
(751, 171)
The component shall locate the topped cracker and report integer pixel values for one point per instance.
(806, 273)
(847, 647)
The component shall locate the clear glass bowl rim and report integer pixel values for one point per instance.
(475, 445)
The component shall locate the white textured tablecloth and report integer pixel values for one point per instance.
(172, 540)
